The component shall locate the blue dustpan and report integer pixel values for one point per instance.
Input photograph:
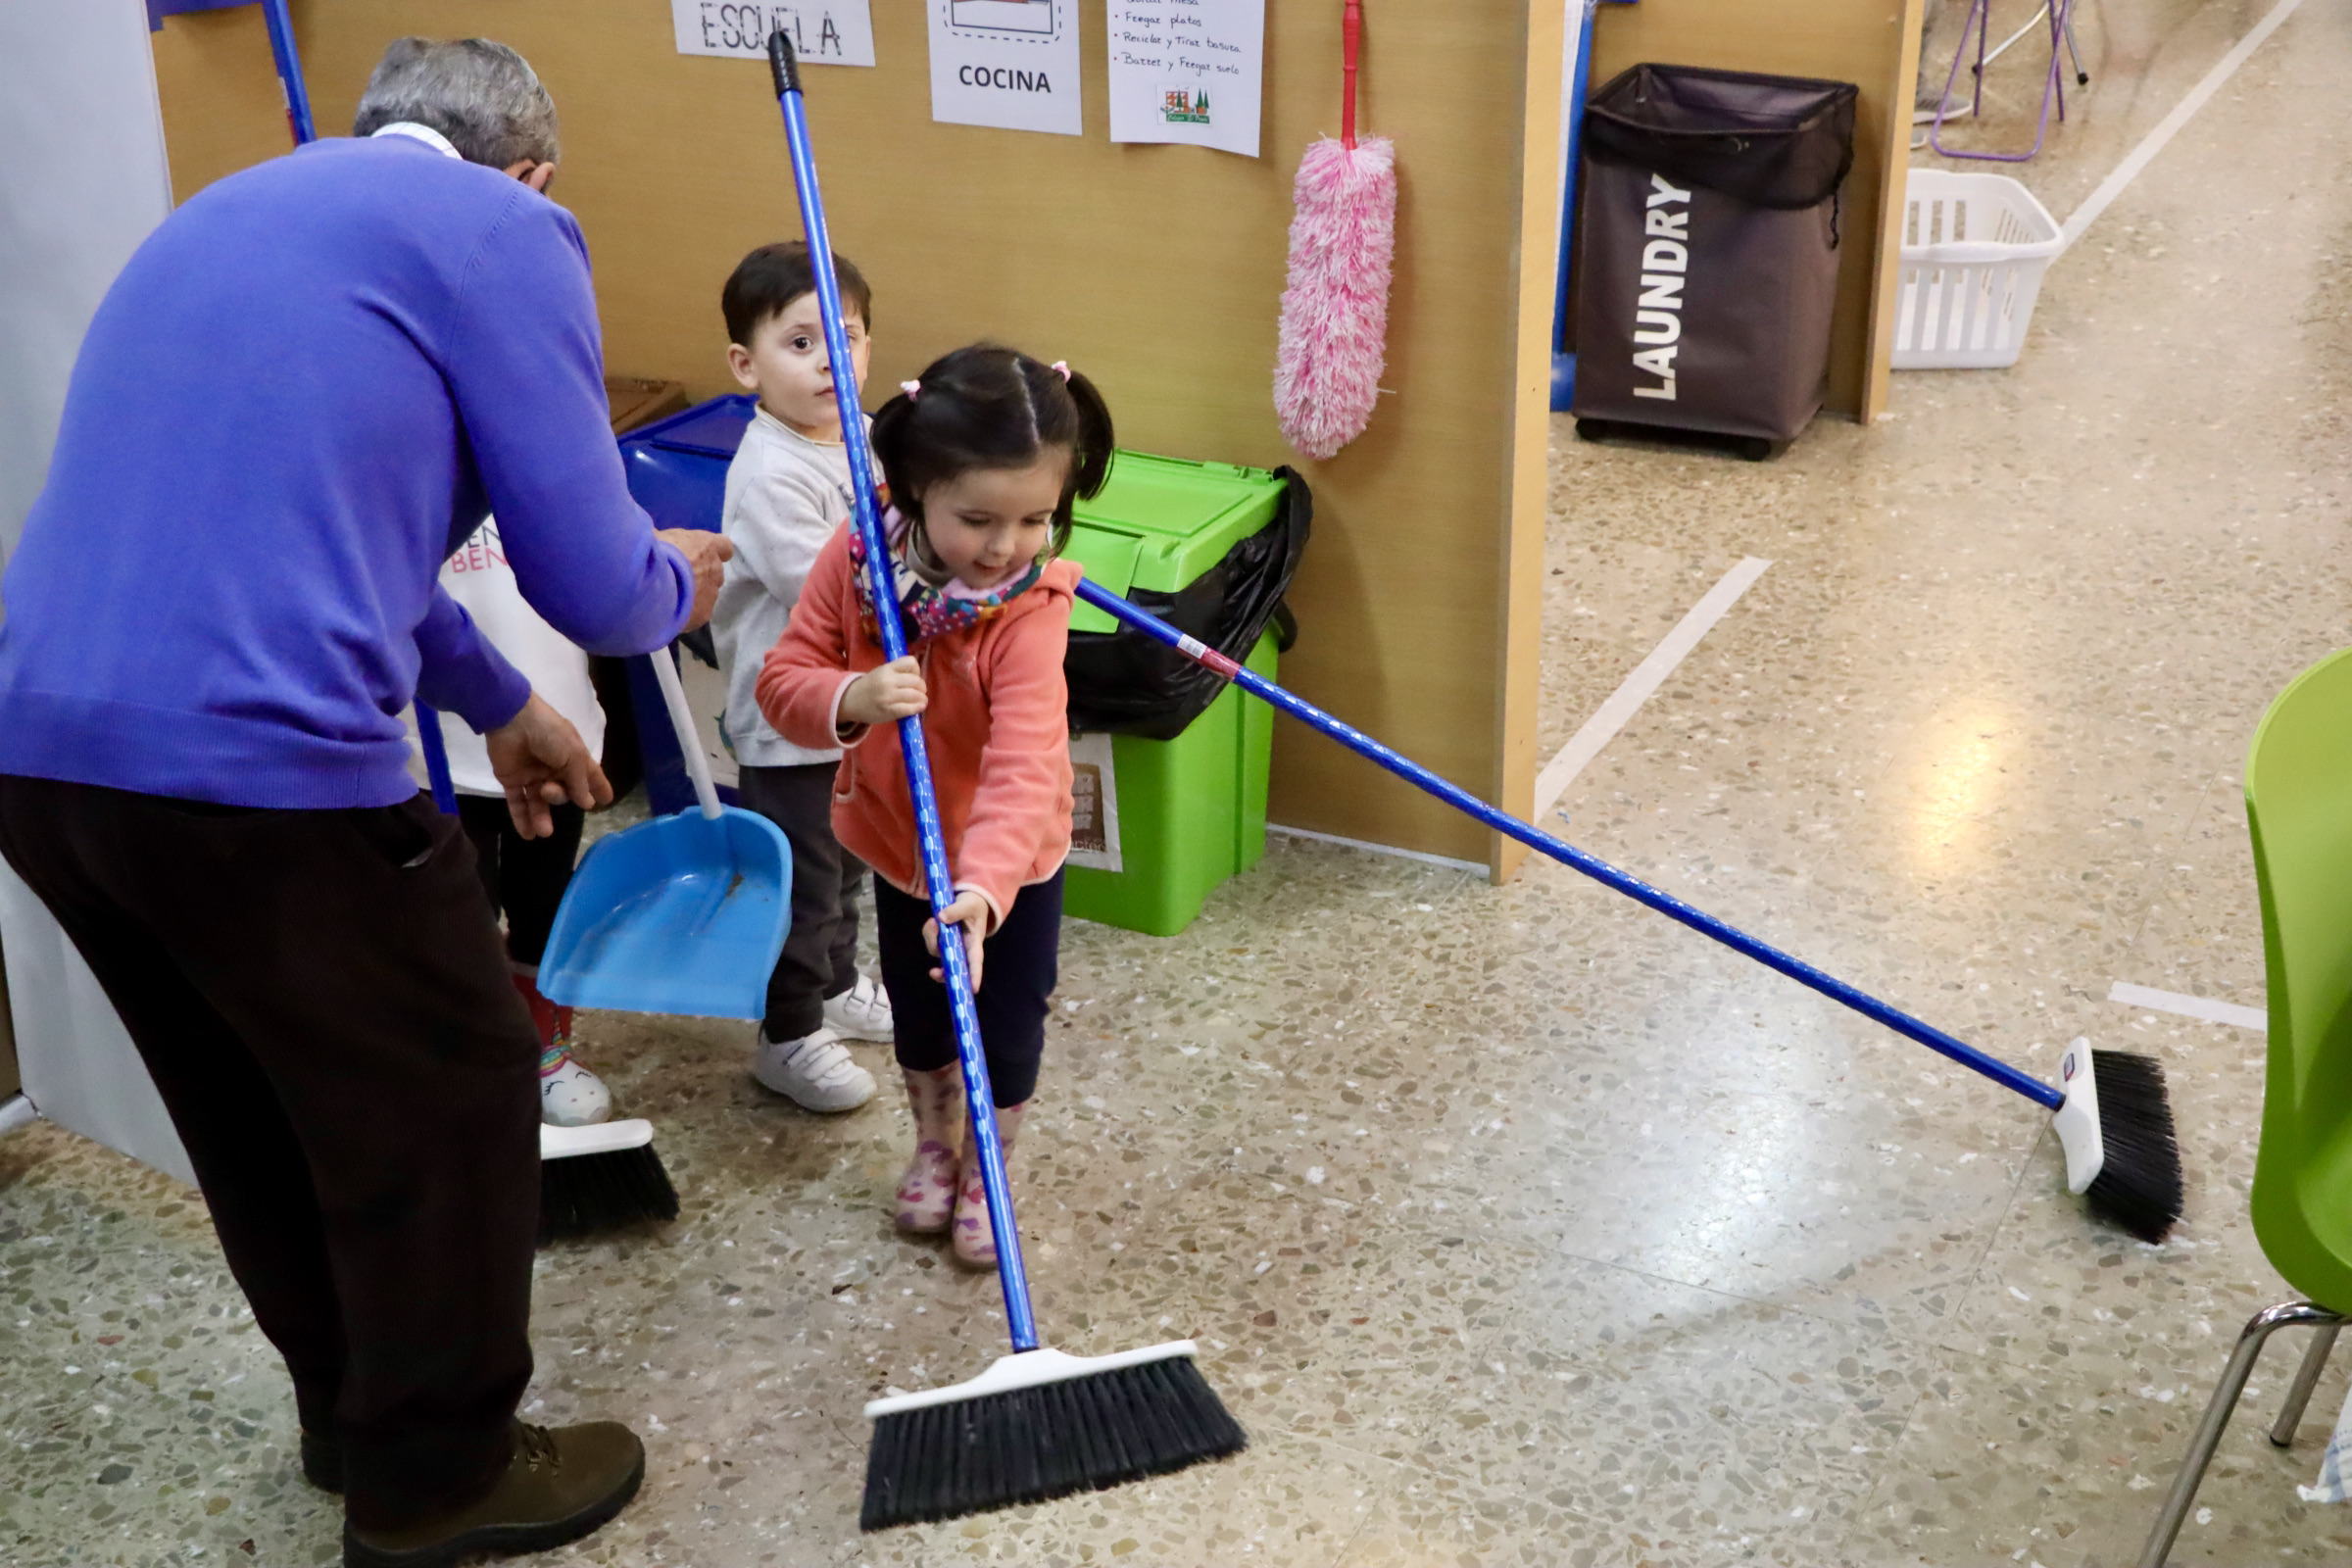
(685, 914)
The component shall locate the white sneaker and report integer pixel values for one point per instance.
(861, 1012)
(573, 1096)
(814, 1073)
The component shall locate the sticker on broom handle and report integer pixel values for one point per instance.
(1194, 648)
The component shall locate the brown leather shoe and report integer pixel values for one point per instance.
(558, 1487)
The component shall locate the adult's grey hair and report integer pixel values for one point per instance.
(481, 95)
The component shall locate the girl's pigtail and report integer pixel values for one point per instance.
(892, 426)
(1090, 455)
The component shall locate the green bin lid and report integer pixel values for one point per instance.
(1159, 523)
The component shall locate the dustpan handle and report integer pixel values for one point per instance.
(436, 758)
(681, 721)
(1019, 1320)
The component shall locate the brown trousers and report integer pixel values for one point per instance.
(323, 1003)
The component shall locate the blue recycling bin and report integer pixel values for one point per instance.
(677, 472)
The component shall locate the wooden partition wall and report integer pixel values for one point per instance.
(1155, 269)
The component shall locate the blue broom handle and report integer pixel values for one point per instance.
(436, 758)
(1568, 854)
(289, 70)
(1019, 1320)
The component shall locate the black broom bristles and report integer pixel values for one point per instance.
(580, 1195)
(996, 1450)
(2139, 1186)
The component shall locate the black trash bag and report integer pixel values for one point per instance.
(1130, 684)
(1783, 142)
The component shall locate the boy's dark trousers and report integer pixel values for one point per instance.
(819, 961)
(322, 1000)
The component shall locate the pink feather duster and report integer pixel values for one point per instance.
(1335, 310)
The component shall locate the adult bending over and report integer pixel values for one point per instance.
(306, 387)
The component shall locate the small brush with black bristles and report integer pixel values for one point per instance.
(601, 1178)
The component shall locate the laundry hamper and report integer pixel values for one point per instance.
(1707, 250)
(1974, 247)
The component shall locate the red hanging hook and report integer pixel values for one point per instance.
(1351, 30)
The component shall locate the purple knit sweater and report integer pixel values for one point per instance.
(307, 388)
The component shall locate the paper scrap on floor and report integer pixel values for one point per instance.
(2333, 1464)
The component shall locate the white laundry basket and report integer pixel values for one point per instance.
(1974, 247)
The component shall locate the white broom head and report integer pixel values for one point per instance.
(603, 1138)
(1335, 308)
(2078, 1120)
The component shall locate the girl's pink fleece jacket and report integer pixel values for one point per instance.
(997, 727)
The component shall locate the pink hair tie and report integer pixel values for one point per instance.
(1060, 368)
(910, 388)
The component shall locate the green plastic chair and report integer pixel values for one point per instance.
(2299, 806)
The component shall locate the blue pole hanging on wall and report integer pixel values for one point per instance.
(1580, 77)
(281, 49)
(289, 70)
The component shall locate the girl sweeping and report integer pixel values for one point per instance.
(984, 456)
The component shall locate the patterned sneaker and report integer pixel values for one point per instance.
(814, 1073)
(861, 1012)
(571, 1096)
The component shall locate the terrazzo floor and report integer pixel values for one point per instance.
(1518, 1225)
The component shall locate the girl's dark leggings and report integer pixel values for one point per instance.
(525, 878)
(1016, 986)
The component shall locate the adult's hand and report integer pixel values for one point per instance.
(542, 762)
(708, 554)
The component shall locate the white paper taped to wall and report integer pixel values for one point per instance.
(1094, 805)
(1009, 64)
(823, 32)
(1188, 70)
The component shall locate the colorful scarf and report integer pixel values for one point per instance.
(928, 610)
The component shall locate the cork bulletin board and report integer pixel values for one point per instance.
(1156, 270)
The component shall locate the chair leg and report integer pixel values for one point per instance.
(2307, 1377)
(2217, 1417)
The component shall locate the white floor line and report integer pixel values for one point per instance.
(2170, 125)
(1647, 676)
(1474, 867)
(2201, 1007)
(16, 1111)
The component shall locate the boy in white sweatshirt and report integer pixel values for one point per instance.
(787, 490)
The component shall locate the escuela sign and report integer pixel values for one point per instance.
(823, 32)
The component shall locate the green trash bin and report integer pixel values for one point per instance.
(1160, 823)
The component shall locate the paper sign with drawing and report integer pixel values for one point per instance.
(1010, 63)
(1188, 70)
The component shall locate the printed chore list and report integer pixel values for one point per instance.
(1187, 71)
